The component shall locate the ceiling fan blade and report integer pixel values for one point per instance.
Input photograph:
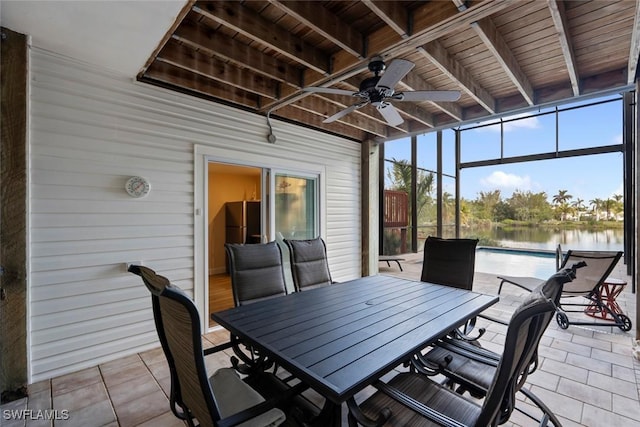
(394, 73)
(343, 113)
(330, 90)
(428, 95)
(390, 114)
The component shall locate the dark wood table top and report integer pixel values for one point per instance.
(340, 338)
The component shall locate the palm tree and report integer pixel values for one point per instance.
(597, 205)
(560, 200)
(562, 197)
(579, 207)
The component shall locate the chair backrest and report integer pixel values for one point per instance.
(178, 326)
(256, 272)
(524, 332)
(309, 266)
(599, 265)
(449, 262)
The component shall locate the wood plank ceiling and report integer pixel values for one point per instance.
(501, 55)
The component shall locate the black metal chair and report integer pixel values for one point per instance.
(449, 262)
(414, 399)
(309, 266)
(256, 272)
(471, 368)
(223, 398)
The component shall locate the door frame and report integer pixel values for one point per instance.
(203, 155)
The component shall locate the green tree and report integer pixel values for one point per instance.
(400, 177)
(578, 207)
(596, 206)
(560, 201)
(529, 206)
(486, 203)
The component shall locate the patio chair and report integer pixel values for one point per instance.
(309, 266)
(256, 272)
(471, 368)
(587, 285)
(451, 262)
(414, 399)
(221, 398)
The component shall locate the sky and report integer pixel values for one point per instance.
(585, 177)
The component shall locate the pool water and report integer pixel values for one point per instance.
(515, 262)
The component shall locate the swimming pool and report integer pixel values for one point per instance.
(515, 262)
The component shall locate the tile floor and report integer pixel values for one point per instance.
(587, 375)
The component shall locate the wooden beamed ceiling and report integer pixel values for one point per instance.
(503, 56)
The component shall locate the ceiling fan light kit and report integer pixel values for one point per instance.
(379, 91)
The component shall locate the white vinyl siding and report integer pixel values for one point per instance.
(90, 130)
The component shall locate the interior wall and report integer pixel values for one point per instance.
(223, 188)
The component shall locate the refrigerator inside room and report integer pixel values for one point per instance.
(242, 222)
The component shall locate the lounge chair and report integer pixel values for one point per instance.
(309, 266)
(223, 398)
(587, 283)
(471, 368)
(413, 399)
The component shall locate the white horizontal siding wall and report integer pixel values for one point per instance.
(91, 130)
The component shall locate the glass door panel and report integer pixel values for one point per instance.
(295, 213)
(295, 206)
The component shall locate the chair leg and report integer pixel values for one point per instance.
(546, 412)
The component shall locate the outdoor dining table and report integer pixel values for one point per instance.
(339, 339)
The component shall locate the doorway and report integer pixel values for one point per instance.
(234, 216)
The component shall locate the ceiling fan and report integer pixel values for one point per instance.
(378, 90)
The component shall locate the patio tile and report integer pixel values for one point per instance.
(40, 386)
(159, 369)
(131, 390)
(153, 356)
(129, 371)
(596, 416)
(586, 393)
(614, 385)
(544, 379)
(564, 370)
(142, 409)
(571, 347)
(9, 415)
(618, 359)
(623, 373)
(600, 366)
(73, 381)
(40, 401)
(120, 363)
(592, 342)
(556, 354)
(165, 420)
(81, 397)
(626, 407)
(561, 405)
(98, 414)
